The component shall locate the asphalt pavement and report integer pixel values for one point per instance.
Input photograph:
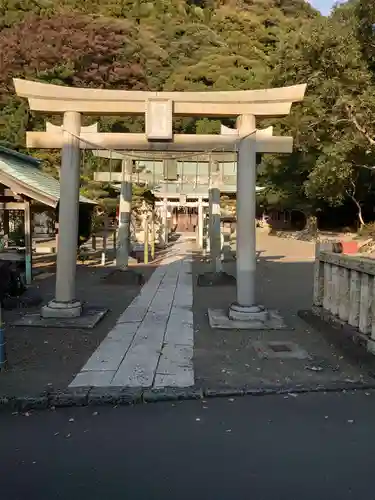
(313, 446)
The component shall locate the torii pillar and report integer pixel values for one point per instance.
(65, 303)
(214, 221)
(245, 307)
(123, 241)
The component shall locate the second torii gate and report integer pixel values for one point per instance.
(197, 185)
(158, 108)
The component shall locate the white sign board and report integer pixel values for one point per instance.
(159, 119)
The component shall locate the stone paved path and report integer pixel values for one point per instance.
(152, 343)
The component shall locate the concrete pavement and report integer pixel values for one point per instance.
(313, 446)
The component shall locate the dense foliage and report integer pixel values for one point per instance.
(216, 45)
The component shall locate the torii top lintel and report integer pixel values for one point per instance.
(49, 98)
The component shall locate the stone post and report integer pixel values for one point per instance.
(245, 308)
(65, 303)
(123, 243)
(200, 223)
(214, 223)
(165, 221)
(28, 242)
(354, 298)
(6, 226)
(318, 278)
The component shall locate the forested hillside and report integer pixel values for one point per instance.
(215, 45)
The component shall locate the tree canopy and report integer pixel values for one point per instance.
(215, 45)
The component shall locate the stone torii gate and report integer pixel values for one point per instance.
(158, 108)
(185, 188)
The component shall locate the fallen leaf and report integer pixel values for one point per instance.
(71, 420)
(198, 419)
(350, 421)
(95, 413)
(314, 368)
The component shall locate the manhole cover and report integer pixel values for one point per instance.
(280, 348)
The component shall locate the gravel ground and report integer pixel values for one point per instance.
(284, 282)
(40, 358)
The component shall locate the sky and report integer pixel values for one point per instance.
(323, 5)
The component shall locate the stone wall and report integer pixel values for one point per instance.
(344, 287)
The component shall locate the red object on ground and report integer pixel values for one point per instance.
(350, 246)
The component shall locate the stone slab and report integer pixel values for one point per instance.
(93, 378)
(133, 314)
(138, 308)
(89, 318)
(218, 319)
(180, 329)
(138, 367)
(108, 355)
(121, 330)
(184, 378)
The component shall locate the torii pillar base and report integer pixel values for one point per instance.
(63, 315)
(62, 310)
(245, 318)
(248, 313)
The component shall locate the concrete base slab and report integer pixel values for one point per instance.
(219, 319)
(89, 318)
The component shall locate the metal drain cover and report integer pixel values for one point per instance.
(279, 349)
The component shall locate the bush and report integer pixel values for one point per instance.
(368, 230)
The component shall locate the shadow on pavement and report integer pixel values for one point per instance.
(230, 358)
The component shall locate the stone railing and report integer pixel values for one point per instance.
(344, 286)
